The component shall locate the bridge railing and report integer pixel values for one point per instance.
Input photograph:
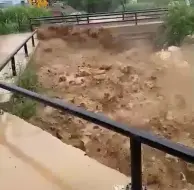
(11, 57)
(137, 136)
(134, 17)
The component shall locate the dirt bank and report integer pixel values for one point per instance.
(135, 86)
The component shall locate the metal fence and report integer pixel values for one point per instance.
(11, 57)
(135, 17)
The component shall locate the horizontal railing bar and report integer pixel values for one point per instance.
(101, 19)
(106, 18)
(144, 137)
(103, 14)
(151, 18)
(91, 17)
(16, 51)
(97, 23)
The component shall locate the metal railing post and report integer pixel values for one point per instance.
(136, 164)
(88, 19)
(123, 15)
(33, 42)
(77, 19)
(135, 18)
(13, 66)
(26, 49)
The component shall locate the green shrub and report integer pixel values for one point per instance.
(178, 23)
(8, 28)
(28, 79)
(19, 105)
(25, 108)
(16, 19)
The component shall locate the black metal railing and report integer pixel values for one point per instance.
(134, 17)
(137, 136)
(11, 57)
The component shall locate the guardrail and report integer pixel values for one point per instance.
(11, 57)
(137, 137)
(134, 17)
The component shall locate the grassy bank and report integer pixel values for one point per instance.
(19, 105)
(15, 19)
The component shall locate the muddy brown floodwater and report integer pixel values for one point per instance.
(132, 85)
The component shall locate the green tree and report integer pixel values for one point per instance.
(179, 23)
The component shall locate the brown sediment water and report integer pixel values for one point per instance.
(128, 82)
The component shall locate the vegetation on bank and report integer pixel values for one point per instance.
(178, 23)
(16, 19)
(19, 105)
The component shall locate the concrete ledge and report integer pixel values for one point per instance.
(33, 159)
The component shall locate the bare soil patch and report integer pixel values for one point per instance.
(131, 85)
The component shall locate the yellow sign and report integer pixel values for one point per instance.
(39, 3)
